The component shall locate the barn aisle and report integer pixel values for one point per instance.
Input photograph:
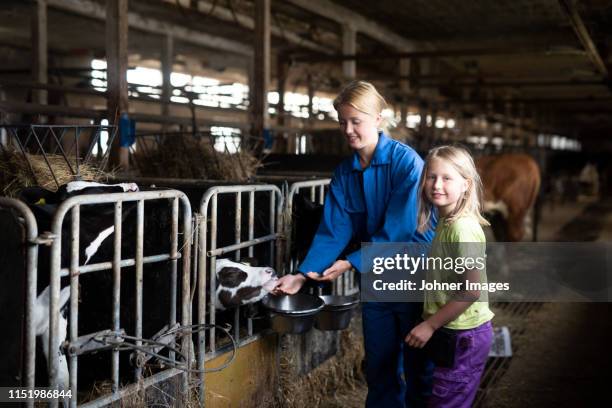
(561, 349)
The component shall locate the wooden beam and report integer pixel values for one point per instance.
(167, 59)
(39, 49)
(470, 52)
(583, 35)
(222, 13)
(116, 71)
(343, 15)
(261, 69)
(349, 46)
(92, 9)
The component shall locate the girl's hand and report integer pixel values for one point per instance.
(331, 273)
(420, 335)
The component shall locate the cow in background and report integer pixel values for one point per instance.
(511, 185)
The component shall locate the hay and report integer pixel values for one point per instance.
(328, 384)
(15, 173)
(191, 158)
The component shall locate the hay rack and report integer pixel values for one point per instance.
(77, 145)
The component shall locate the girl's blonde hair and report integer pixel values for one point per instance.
(362, 96)
(470, 204)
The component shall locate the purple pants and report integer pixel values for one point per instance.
(456, 387)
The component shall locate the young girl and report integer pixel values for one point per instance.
(451, 184)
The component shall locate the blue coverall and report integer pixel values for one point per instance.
(378, 204)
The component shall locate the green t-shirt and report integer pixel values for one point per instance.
(463, 239)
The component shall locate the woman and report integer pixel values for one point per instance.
(372, 198)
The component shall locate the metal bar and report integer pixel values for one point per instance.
(54, 294)
(109, 265)
(250, 238)
(186, 290)
(174, 266)
(251, 220)
(74, 297)
(31, 232)
(213, 270)
(139, 278)
(116, 292)
(237, 224)
(237, 235)
(201, 271)
(271, 223)
(245, 244)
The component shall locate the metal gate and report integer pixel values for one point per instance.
(208, 253)
(31, 240)
(76, 344)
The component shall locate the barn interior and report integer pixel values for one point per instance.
(191, 94)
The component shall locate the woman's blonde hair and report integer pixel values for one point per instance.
(362, 96)
(470, 204)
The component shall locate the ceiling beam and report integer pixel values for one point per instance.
(583, 35)
(225, 14)
(136, 21)
(473, 52)
(342, 15)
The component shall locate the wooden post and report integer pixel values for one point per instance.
(349, 47)
(404, 72)
(116, 72)
(39, 51)
(281, 142)
(167, 59)
(261, 71)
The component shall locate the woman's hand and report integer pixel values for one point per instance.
(289, 284)
(420, 335)
(331, 273)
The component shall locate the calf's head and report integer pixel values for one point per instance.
(239, 284)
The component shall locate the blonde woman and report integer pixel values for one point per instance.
(372, 198)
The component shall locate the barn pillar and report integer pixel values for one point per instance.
(167, 59)
(281, 142)
(39, 51)
(405, 89)
(490, 112)
(261, 72)
(116, 72)
(349, 47)
(465, 124)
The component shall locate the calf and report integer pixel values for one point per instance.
(511, 185)
(240, 284)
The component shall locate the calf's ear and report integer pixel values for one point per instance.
(251, 261)
(231, 277)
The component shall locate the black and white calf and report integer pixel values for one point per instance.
(240, 284)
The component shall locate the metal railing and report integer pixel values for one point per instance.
(208, 253)
(73, 345)
(31, 240)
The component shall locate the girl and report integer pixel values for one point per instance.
(451, 185)
(372, 198)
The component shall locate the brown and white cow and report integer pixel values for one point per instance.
(511, 185)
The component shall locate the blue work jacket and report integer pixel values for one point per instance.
(382, 208)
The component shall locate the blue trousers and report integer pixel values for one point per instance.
(397, 375)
